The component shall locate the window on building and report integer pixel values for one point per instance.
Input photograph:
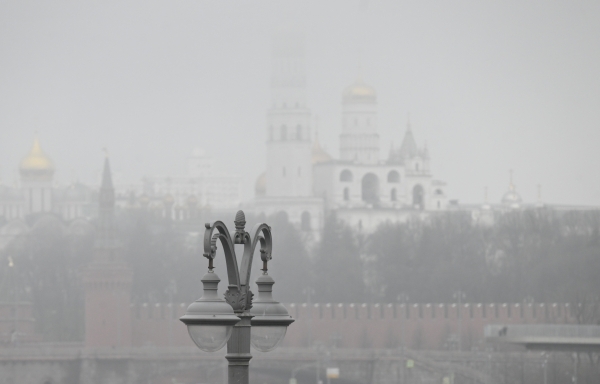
(370, 188)
(283, 172)
(271, 133)
(393, 177)
(393, 196)
(283, 133)
(346, 194)
(346, 175)
(418, 196)
(299, 171)
(299, 132)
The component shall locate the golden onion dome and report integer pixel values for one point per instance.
(36, 160)
(260, 188)
(359, 91)
(318, 153)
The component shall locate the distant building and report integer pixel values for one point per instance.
(200, 189)
(178, 197)
(362, 187)
(37, 193)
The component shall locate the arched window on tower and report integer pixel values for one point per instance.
(283, 133)
(418, 197)
(346, 194)
(305, 221)
(393, 177)
(346, 175)
(370, 188)
(299, 132)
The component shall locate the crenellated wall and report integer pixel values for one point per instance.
(418, 326)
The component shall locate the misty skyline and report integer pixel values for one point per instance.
(488, 87)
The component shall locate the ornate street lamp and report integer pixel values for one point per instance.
(212, 321)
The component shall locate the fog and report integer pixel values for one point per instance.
(420, 255)
(489, 87)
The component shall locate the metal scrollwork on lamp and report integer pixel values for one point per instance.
(212, 322)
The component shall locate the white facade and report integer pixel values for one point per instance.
(201, 187)
(359, 141)
(302, 180)
(36, 193)
(289, 172)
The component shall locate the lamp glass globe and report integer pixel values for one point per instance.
(210, 338)
(266, 338)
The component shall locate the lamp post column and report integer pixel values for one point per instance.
(238, 351)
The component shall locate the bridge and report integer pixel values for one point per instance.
(72, 364)
(547, 337)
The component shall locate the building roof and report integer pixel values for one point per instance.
(359, 91)
(36, 160)
(319, 155)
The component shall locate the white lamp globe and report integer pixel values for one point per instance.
(209, 319)
(270, 320)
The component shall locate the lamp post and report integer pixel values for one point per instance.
(459, 295)
(213, 322)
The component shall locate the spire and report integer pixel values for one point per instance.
(107, 191)
(409, 146)
(106, 238)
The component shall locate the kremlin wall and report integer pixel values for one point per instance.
(416, 326)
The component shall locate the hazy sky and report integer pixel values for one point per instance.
(489, 86)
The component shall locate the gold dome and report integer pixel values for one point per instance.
(360, 91)
(36, 160)
(260, 188)
(318, 153)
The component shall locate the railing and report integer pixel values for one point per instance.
(542, 330)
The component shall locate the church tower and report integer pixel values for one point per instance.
(107, 279)
(359, 141)
(37, 172)
(289, 168)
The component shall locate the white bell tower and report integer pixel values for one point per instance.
(359, 141)
(289, 168)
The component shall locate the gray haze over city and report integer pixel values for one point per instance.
(489, 87)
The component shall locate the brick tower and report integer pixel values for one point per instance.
(107, 279)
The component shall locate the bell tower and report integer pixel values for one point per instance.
(289, 168)
(107, 280)
(359, 141)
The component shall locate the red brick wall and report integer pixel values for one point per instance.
(422, 326)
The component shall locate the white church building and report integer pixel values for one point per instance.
(365, 187)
